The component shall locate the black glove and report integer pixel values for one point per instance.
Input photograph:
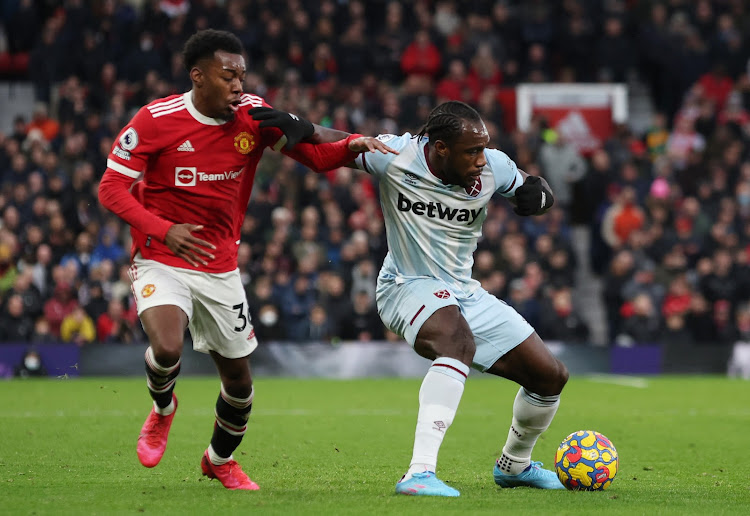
(532, 197)
(293, 127)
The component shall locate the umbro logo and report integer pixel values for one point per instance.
(411, 179)
(186, 147)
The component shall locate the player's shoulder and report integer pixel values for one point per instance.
(498, 160)
(248, 100)
(398, 142)
(497, 154)
(165, 106)
(377, 163)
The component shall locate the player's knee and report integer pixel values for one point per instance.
(560, 377)
(554, 380)
(240, 387)
(237, 381)
(166, 353)
(166, 345)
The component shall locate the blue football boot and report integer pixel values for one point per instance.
(532, 476)
(425, 484)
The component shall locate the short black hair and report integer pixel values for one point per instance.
(445, 122)
(203, 44)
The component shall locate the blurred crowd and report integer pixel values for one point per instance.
(667, 210)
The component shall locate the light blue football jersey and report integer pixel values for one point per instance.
(432, 228)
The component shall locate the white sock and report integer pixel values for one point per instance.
(532, 415)
(439, 397)
(216, 459)
(166, 410)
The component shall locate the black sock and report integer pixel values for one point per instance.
(231, 422)
(160, 379)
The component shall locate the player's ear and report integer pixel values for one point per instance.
(441, 148)
(196, 75)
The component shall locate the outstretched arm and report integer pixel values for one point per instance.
(294, 128)
(326, 135)
(533, 197)
(316, 147)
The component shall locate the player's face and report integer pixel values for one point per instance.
(464, 159)
(218, 85)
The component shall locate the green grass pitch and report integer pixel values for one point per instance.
(338, 447)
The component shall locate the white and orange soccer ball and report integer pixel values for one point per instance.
(586, 461)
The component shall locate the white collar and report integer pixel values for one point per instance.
(200, 117)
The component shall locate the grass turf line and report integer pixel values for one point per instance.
(338, 447)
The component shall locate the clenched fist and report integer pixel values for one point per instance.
(533, 198)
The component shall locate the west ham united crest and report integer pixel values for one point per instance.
(474, 189)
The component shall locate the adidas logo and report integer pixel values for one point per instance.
(186, 147)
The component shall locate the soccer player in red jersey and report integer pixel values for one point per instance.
(196, 155)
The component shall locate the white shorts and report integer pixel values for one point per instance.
(215, 304)
(496, 326)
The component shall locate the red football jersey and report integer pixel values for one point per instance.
(195, 169)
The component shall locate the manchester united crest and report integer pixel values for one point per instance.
(148, 290)
(244, 142)
(474, 189)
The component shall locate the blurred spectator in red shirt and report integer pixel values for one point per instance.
(678, 298)
(716, 84)
(456, 84)
(484, 71)
(622, 218)
(421, 58)
(113, 326)
(734, 112)
(558, 319)
(58, 306)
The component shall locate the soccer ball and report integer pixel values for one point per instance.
(586, 461)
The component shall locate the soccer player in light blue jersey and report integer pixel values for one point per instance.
(434, 194)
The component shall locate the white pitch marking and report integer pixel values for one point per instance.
(625, 381)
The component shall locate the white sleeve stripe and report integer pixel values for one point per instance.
(170, 108)
(122, 169)
(165, 104)
(280, 144)
(249, 96)
(175, 109)
(255, 102)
